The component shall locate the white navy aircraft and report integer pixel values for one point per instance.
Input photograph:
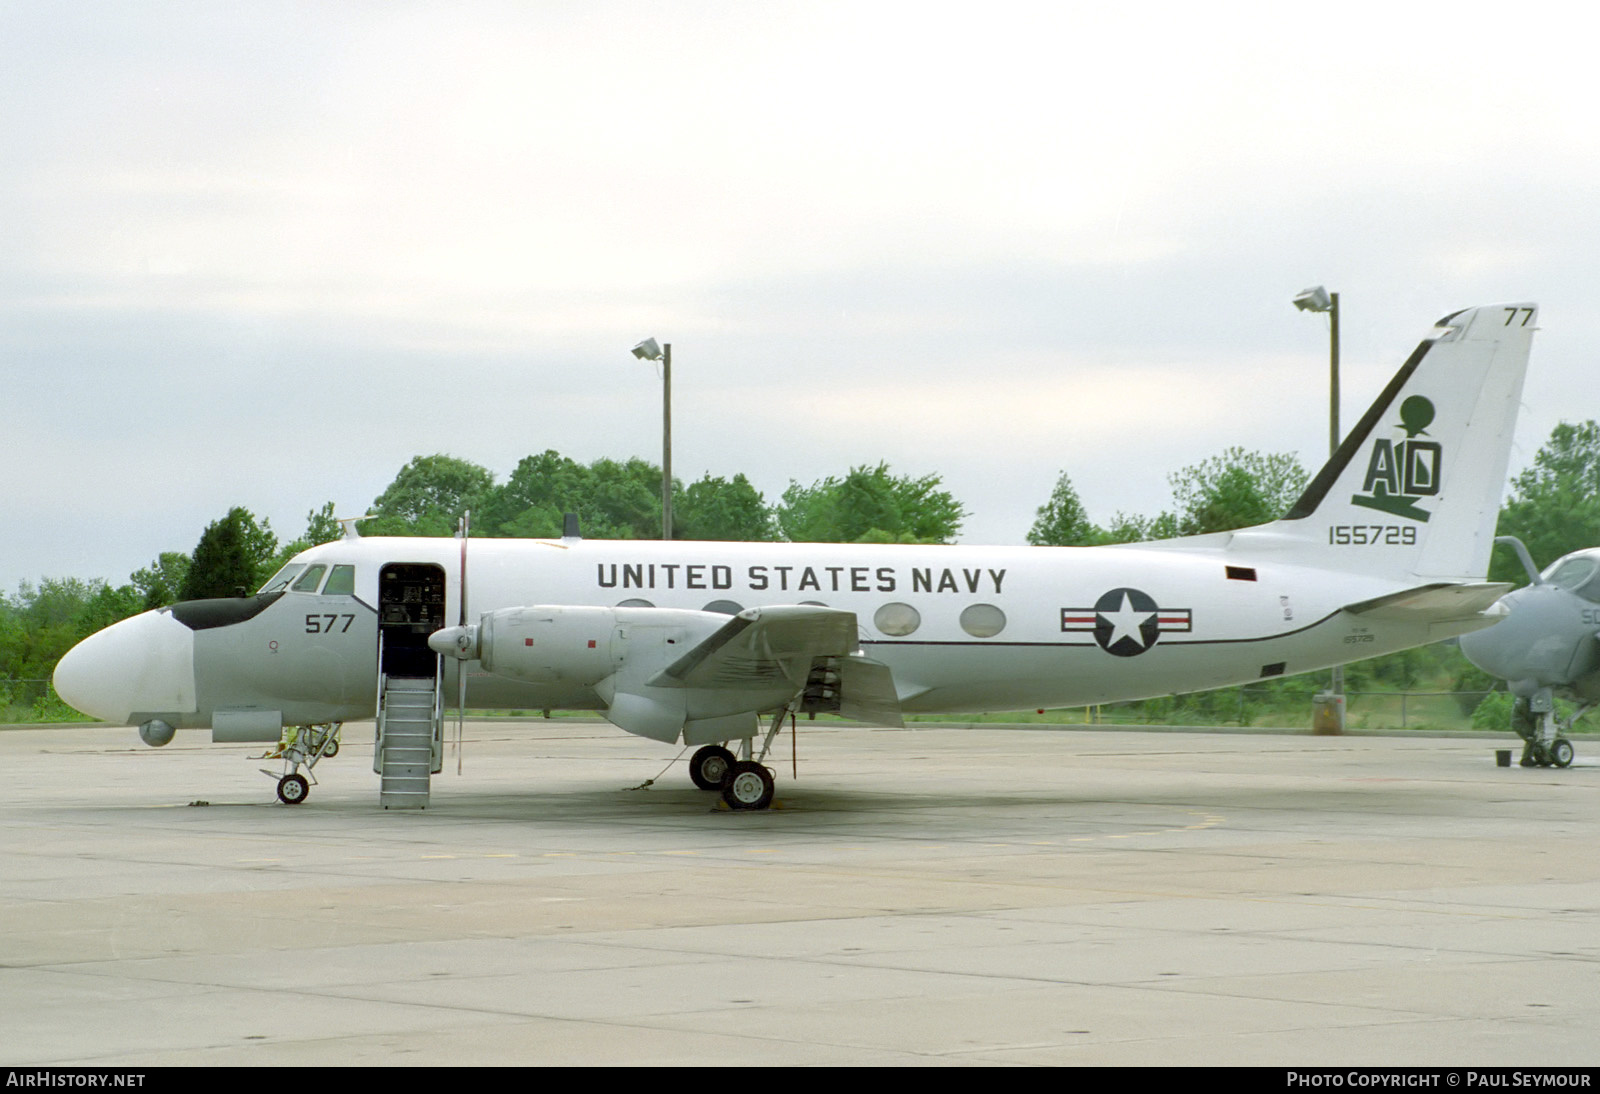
(1548, 645)
(695, 642)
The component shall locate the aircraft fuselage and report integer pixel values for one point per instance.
(961, 628)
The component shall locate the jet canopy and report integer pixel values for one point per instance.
(1578, 574)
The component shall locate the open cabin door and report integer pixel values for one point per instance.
(410, 741)
(410, 608)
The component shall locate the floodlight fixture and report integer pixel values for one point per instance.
(648, 350)
(1315, 298)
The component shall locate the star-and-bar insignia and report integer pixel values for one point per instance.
(1126, 622)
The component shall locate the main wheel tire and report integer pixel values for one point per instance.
(749, 786)
(292, 789)
(710, 766)
(1561, 752)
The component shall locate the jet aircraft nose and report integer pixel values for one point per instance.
(141, 666)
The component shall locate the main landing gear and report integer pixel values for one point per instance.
(1541, 730)
(744, 783)
(301, 748)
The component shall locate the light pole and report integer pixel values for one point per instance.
(1328, 717)
(1317, 298)
(649, 350)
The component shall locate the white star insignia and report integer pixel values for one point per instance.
(1125, 623)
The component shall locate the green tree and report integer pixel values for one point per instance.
(321, 527)
(1061, 521)
(1132, 528)
(233, 557)
(43, 622)
(869, 505)
(161, 582)
(531, 502)
(428, 497)
(1554, 506)
(715, 508)
(1235, 490)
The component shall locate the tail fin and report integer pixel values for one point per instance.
(1414, 491)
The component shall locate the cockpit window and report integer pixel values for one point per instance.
(282, 578)
(310, 580)
(1572, 573)
(342, 582)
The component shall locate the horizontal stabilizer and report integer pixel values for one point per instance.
(762, 647)
(1440, 602)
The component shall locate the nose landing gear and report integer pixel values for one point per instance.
(300, 750)
(1537, 723)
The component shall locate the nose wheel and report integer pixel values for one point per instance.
(300, 750)
(293, 788)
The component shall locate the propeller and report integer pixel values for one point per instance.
(462, 642)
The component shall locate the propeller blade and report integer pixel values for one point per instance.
(461, 654)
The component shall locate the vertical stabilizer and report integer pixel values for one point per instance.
(1414, 490)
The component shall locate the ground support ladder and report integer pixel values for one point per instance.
(410, 740)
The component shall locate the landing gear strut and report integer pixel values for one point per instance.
(301, 748)
(1537, 723)
(748, 783)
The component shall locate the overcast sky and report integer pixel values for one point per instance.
(264, 254)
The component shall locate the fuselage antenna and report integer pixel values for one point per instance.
(349, 524)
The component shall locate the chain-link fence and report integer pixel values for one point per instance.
(36, 701)
(1265, 708)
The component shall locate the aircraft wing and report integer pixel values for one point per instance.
(1440, 602)
(764, 647)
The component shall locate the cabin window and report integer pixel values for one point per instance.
(282, 578)
(342, 582)
(310, 580)
(634, 602)
(983, 620)
(897, 619)
(723, 607)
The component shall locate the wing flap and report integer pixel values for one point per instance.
(867, 692)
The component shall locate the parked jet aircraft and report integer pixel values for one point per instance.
(1546, 646)
(691, 642)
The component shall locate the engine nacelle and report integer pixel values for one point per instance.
(551, 644)
(616, 651)
(156, 733)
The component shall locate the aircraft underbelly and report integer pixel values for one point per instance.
(488, 692)
(955, 677)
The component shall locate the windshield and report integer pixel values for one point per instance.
(282, 578)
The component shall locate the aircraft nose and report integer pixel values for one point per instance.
(143, 665)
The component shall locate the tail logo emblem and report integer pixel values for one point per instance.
(1126, 622)
(1401, 473)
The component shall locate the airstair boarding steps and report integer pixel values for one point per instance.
(409, 714)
